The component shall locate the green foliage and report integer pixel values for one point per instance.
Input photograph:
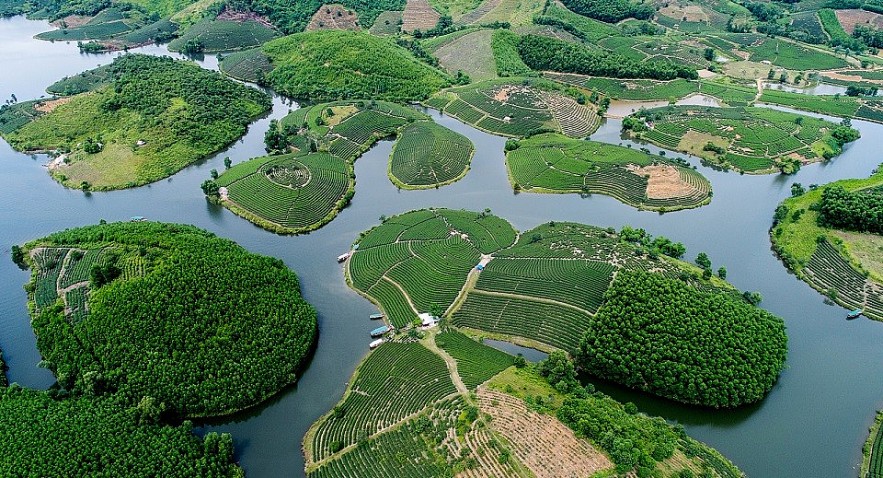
(333, 64)
(659, 335)
(552, 163)
(224, 35)
(248, 65)
(88, 80)
(157, 116)
(794, 56)
(291, 17)
(14, 116)
(40, 436)
(856, 211)
(611, 11)
(505, 46)
(642, 89)
(582, 27)
(429, 155)
(476, 363)
(544, 53)
(197, 305)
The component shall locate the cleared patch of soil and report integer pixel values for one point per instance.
(664, 181)
(234, 16)
(334, 17)
(852, 17)
(49, 105)
(419, 15)
(72, 21)
(542, 443)
(689, 13)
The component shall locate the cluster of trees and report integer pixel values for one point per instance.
(611, 11)
(706, 348)
(869, 36)
(853, 90)
(543, 53)
(45, 436)
(658, 245)
(208, 329)
(853, 210)
(331, 65)
(217, 111)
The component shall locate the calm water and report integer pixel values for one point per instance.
(811, 425)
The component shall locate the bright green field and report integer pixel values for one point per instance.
(224, 35)
(429, 155)
(553, 163)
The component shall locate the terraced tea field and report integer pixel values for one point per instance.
(429, 155)
(517, 109)
(553, 163)
(476, 363)
(225, 35)
(544, 288)
(753, 140)
(290, 194)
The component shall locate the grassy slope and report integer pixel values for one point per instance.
(326, 65)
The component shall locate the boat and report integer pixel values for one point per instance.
(137, 219)
(853, 314)
(381, 330)
(376, 343)
(375, 316)
(343, 257)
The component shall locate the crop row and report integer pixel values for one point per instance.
(476, 363)
(551, 324)
(49, 262)
(429, 154)
(575, 282)
(362, 126)
(396, 380)
(829, 271)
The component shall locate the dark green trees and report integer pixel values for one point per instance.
(706, 348)
(856, 211)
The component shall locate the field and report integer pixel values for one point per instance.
(849, 18)
(585, 28)
(455, 8)
(543, 289)
(808, 22)
(753, 140)
(295, 193)
(832, 105)
(428, 155)
(793, 56)
(395, 381)
(247, 65)
(552, 163)
(336, 17)
(388, 23)
(872, 452)
(419, 15)
(287, 194)
(225, 35)
(108, 23)
(14, 116)
(834, 262)
(517, 109)
(478, 64)
(640, 90)
(476, 363)
(137, 142)
(338, 64)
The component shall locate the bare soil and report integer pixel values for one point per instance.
(234, 16)
(852, 17)
(419, 15)
(664, 181)
(50, 105)
(334, 17)
(72, 21)
(542, 443)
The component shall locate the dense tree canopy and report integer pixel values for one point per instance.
(856, 211)
(195, 322)
(334, 64)
(544, 53)
(611, 11)
(662, 336)
(41, 436)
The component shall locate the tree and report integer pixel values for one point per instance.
(228, 163)
(214, 173)
(722, 273)
(709, 54)
(703, 261)
(797, 190)
(210, 188)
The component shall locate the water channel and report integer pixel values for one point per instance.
(812, 424)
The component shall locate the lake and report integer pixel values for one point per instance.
(812, 424)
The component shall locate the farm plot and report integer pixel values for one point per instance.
(247, 65)
(225, 35)
(336, 17)
(476, 363)
(387, 23)
(552, 163)
(517, 109)
(754, 140)
(640, 90)
(478, 63)
(793, 56)
(108, 23)
(872, 463)
(395, 381)
(419, 15)
(429, 155)
(287, 194)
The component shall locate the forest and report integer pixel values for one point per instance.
(97, 436)
(611, 11)
(224, 328)
(659, 335)
(550, 54)
(860, 211)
